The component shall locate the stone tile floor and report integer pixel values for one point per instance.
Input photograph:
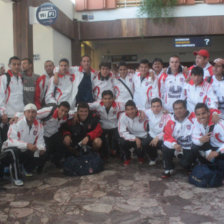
(119, 195)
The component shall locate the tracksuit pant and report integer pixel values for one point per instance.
(152, 152)
(188, 158)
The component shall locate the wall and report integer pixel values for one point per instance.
(66, 6)
(6, 27)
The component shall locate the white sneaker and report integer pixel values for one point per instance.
(18, 182)
(152, 163)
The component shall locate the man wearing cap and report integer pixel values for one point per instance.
(217, 82)
(202, 60)
(25, 144)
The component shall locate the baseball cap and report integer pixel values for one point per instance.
(202, 52)
(219, 61)
(30, 106)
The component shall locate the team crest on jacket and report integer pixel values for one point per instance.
(114, 112)
(161, 125)
(35, 132)
(147, 83)
(188, 127)
(182, 79)
(201, 94)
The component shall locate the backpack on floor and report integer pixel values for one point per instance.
(203, 176)
(85, 164)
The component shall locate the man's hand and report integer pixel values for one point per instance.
(178, 147)
(154, 142)
(31, 147)
(4, 119)
(85, 140)
(205, 138)
(67, 140)
(142, 115)
(138, 143)
(56, 79)
(41, 152)
(75, 119)
(212, 155)
(215, 118)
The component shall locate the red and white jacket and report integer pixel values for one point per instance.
(176, 132)
(130, 129)
(41, 89)
(217, 135)
(120, 91)
(171, 88)
(157, 122)
(20, 134)
(52, 125)
(11, 98)
(218, 88)
(208, 70)
(100, 84)
(144, 91)
(202, 93)
(108, 120)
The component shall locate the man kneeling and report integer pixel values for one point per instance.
(25, 144)
(133, 133)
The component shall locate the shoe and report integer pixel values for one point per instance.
(18, 182)
(126, 162)
(167, 174)
(140, 161)
(152, 163)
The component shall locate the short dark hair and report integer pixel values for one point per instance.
(85, 56)
(13, 58)
(197, 71)
(183, 102)
(83, 105)
(156, 100)
(130, 103)
(122, 63)
(144, 61)
(64, 104)
(107, 92)
(201, 105)
(28, 59)
(47, 61)
(64, 60)
(157, 60)
(105, 64)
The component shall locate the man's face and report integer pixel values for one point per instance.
(157, 67)
(15, 66)
(179, 111)
(104, 71)
(85, 63)
(156, 107)
(107, 100)
(123, 71)
(197, 79)
(83, 113)
(201, 61)
(49, 67)
(174, 63)
(2, 70)
(63, 67)
(62, 112)
(218, 69)
(202, 116)
(25, 66)
(131, 111)
(30, 115)
(143, 69)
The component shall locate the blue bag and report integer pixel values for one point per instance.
(85, 164)
(203, 176)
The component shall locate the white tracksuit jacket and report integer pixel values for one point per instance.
(144, 91)
(208, 70)
(157, 123)
(129, 128)
(216, 139)
(176, 132)
(218, 88)
(107, 120)
(20, 134)
(11, 99)
(171, 88)
(202, 93)
(120, 91)
(100, 85)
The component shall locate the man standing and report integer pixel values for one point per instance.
(42, 84)
(29, 80)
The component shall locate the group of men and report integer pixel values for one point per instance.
(175, 109)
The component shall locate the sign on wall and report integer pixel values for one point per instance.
(46, 14)
(192, 42)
